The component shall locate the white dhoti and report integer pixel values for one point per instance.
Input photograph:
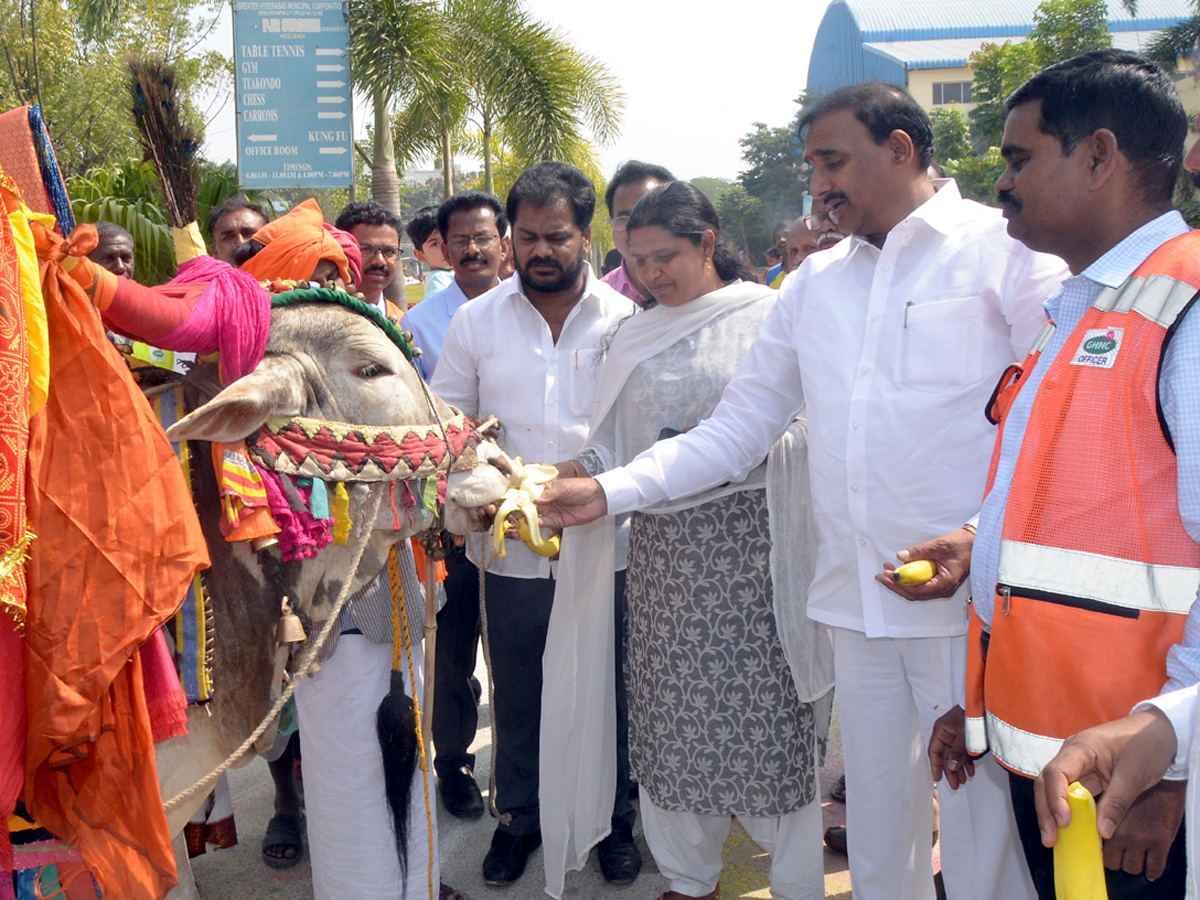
(687, 848)
(351, 840)
(890, 691)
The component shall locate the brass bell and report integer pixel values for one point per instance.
(290, 629)
(265, 542)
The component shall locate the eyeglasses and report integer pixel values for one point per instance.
(619, 223)
(482, 241)
(369, 251)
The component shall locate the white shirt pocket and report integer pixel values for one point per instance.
(941, 343)
(584, 376)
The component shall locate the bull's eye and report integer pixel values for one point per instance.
(372, 370)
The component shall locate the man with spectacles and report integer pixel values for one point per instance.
(377, 230)
(474, 227)
(631, 181)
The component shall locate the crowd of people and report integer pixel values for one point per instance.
(745, 458)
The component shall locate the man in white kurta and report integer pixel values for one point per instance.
(892, 342)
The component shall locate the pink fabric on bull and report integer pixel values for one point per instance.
(301, 535)
(165, 700)
(233, 315)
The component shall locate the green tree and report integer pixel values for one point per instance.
(951, 133)
(976, 175)
(69, 55)
(999, 70)
(712, 188)
(1063, 29)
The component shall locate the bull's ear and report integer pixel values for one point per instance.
(275, 388)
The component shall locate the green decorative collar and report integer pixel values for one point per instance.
(328, 295)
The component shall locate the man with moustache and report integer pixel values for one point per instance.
(529, 352)
(232, 224)
(377, 231)
(1091, 527)
(473, 225)
(891, 342)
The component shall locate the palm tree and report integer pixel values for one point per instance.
(397, 48)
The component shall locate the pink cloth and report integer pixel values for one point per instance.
(350, 247)
(165, 700)
(618, 279)
(301, 535)
(233, 315)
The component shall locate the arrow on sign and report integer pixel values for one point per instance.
(328, 68)
(334, 150)
(328, 51)
(331, 115)
(334, 85)
(262, 137)
(331, 99)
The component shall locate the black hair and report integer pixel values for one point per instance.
(469, 200)
(368, 212)
(233, 204)
(422, 225)
(882, 108)
(545, 182)
(683, 210)
(106, 231)
(246, 251)
(1126, 93)
(631, 171)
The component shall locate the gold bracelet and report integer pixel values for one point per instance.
(969, 527)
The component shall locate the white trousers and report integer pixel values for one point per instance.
(351, 840)
(687, 849)
(890, 691)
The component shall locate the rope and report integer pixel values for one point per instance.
(400, 623)
(486, 559)
(306, 664)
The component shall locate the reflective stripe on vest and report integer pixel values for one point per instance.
(1109, 580)
(1096, 571)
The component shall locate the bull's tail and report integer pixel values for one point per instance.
(396, 724)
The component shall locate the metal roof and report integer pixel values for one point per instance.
(953, 53)
(880, 39)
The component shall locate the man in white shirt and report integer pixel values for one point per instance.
(891, 341)
(529, 352)
(474, 225)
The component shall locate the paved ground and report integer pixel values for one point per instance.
(238, 873)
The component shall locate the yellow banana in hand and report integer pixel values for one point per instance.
(525, 486)
(918, 571)
(1079, 853)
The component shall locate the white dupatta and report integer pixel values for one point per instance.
(578, 732)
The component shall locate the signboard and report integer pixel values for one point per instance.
(292, 73)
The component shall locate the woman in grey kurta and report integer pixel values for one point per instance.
(716, 725)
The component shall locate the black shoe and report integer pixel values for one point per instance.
(461, 794)
(476, 689)
(505, 861)
(620, 861)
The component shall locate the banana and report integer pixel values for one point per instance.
(916, 572)
(547, 547)
(525, 486)
(1079, 854)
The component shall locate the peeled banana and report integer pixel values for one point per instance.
(1079, 853)
(525, 486)
(918, 571)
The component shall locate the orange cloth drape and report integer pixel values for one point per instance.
(120, 544)
(295, 243)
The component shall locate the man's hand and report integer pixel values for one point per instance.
(571, 501)
(951, 553)
(1143, 839)
(1116, 761)
(948, 749)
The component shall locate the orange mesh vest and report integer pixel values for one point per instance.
(1096, 571)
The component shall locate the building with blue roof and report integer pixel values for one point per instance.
(924, 45)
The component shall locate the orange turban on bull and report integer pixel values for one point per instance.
(295, 243)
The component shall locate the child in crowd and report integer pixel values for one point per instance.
(430, 249)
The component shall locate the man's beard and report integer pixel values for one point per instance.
(563, 281)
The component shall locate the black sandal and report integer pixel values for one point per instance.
(284, 830)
